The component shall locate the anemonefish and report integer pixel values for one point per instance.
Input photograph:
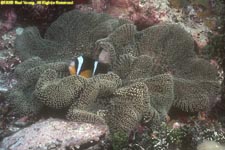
(87, 67)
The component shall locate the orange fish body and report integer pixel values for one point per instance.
(87, 67)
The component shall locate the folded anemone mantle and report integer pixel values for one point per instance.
(152, 70)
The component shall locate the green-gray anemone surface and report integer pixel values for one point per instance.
(129, 105)
(72, 34)
(152, 70)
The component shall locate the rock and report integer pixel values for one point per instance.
(13, 129)
(19, 30)
(7, 60)
(121, 3)
(55, 134)
(22, 122)
(210, 145)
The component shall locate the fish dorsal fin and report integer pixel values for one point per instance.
(95, 67)
(80, 63)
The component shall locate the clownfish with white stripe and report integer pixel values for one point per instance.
(87, 67)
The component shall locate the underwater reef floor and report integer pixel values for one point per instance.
(185, 131)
